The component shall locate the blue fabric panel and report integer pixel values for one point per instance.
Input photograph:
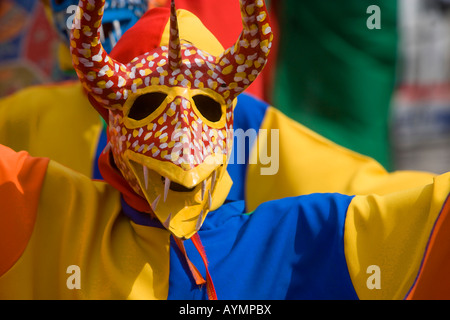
(102, 141)
(248, 114)
(291, 248)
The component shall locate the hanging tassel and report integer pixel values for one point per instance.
(199, 280)
(212, 295)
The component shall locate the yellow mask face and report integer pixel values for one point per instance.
(171, 144)
(171, 112)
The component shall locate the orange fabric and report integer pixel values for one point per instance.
(194, 271)
(21, 178)
(115, 179)
(433, 281)
(199, 280)
(209, 283)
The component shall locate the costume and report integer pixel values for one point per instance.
(128, 234)
(293, 243)
(319, 165)
(29, 119)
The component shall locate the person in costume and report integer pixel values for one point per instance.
(159, 226)
(319, 165)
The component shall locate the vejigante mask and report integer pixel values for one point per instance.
(170, 111)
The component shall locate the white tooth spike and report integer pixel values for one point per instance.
(213, 180)
(166, 188)
(145, 171)
(203, 189)
(107, 148)
(167, 222)
(209, 200)
(155, 202)
(199, 221)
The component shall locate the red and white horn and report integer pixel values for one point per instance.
(105, 79)
(242, 62)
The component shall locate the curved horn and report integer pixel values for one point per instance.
(103, 78)
(241, 63)
(174, 41)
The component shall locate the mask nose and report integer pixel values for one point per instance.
(187, 136)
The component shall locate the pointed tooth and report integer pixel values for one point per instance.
(167, 222)
(166, 188)
(209, 200)
(145, 170)
(107, 148)
(155, 202)
(203, 189)
(213, 180)
(199, 221)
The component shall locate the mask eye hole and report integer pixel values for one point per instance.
(146, 104)
(208, 107)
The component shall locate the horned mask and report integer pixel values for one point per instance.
(170, 111)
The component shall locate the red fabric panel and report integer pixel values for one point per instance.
(433, 281)
(143, 37)
(21, 178)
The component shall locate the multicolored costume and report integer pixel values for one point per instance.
(319, 165)
(161, 226)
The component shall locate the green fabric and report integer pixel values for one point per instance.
(335, 75)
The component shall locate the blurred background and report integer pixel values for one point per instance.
(382, 92)
(28, 46)
(421, 106)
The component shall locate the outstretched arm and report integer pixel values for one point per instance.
(400, 242)
(21, 178)
(299, 161)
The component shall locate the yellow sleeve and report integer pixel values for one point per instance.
(54, 121)
(79, 222)
(288, 159)
(391, 232)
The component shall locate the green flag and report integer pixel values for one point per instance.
(336, 70)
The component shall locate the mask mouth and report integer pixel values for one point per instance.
(176, 186)
(153, 184)
(180, 199)
(179, 207)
